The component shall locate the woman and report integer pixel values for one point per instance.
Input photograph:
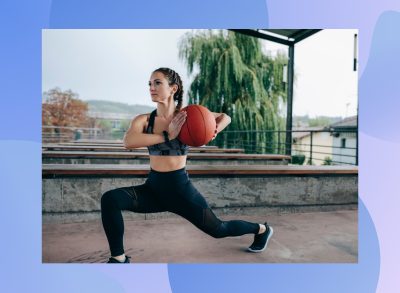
(168, 187)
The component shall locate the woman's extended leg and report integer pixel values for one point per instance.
(191, 205)
(134, 198)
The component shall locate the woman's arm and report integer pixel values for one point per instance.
(134, 136)
(222, 121)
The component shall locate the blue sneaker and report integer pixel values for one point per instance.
(261, 240)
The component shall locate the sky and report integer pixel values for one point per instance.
(115, 65)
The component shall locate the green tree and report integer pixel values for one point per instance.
(233, 75)
(125, 125)
(105, 125)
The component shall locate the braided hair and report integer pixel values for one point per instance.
(173, 78)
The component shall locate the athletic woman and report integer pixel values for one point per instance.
(168, 187)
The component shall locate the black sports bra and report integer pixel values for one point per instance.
(173, 148)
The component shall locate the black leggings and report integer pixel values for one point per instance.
(165, 191)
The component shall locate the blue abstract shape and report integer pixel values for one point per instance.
(361, 277)
(158, 14)
(20, 68)
(379, 86)
(20, 225)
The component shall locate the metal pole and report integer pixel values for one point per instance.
(355, 53)
(279, 142)
(288, 145)
(311, 147)
(355, 69)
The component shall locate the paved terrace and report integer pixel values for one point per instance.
(310, 237)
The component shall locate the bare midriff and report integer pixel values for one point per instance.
(167, 163)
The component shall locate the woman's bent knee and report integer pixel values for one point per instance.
(107, 198)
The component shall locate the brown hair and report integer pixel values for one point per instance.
(173, 78)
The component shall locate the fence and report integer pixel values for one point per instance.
(53, 134)
(313, 147)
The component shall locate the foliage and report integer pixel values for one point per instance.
(306, 121)
(298, 159)
(319, 121)
(117, 134)
(125, 124)
(232, 75)
(327, 161)
(105, 125)
(63, 108)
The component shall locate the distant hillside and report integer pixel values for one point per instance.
(305, 121)
(116, 107)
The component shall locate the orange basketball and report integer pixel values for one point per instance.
(199, 127)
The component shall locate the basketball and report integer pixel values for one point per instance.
(199, 127)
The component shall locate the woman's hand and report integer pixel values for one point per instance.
(215, 133)
(176, 124)
(222, 120)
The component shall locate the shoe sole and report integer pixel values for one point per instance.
(266, 242)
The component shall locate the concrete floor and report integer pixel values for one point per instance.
(314, 237)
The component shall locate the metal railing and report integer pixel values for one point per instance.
(58, 134)
(336, 147)
(318, 147)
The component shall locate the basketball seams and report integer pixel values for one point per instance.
(188, 131)
(190, 134)
(204, 123)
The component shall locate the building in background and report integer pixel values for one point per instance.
(335, 144)
(344, 135)
(314, 143)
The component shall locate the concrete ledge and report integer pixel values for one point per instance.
(113, 148)
(56, 170)
(127, 155)
(77, 189)
(146, 161)
(81, 157)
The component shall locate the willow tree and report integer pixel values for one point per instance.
(231, 74)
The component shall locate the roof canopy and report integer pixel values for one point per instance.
(282, 36)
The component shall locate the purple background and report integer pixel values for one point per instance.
(20, 149)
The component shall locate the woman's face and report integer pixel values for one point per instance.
(159, 88)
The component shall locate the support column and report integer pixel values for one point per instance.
(290, 79)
